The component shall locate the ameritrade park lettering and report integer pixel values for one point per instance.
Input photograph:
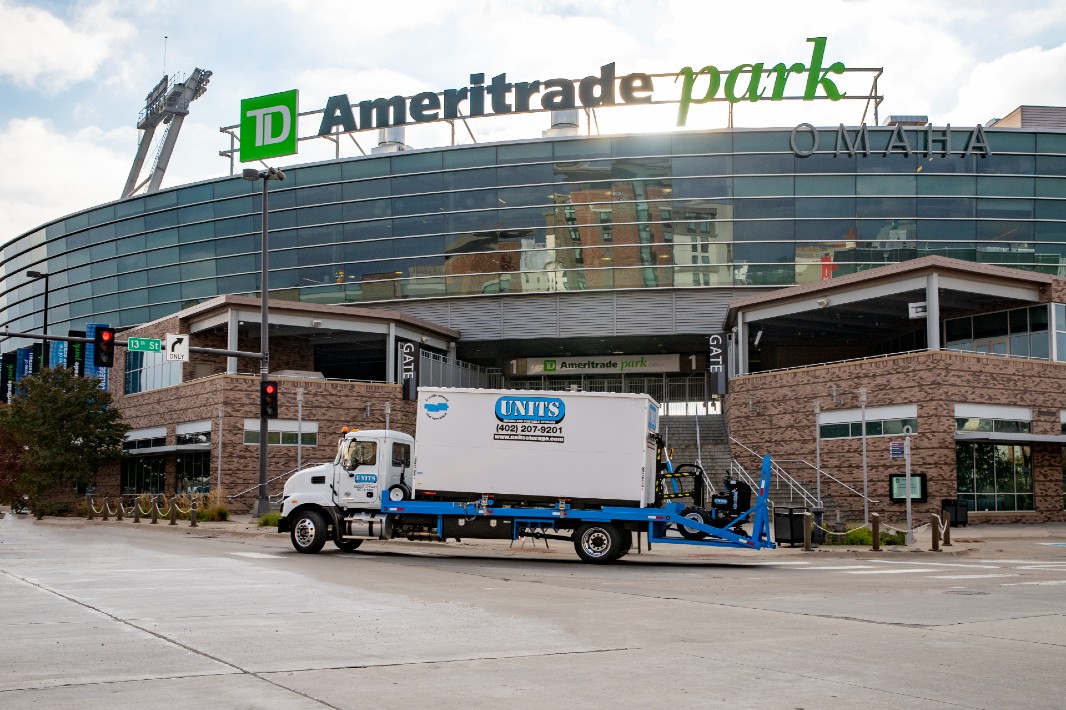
(498, 96)
(608, 365)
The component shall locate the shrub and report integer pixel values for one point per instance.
(213, 513)
(865, 537)
(270, 520)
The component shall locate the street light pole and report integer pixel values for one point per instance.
(262, 503)
(865, 477)
(44, 328)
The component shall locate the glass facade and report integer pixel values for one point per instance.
(722, 208)
(995, 476)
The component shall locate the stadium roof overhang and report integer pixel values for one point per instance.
(871, 307)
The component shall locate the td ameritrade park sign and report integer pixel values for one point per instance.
(268, 126)
(608, 364)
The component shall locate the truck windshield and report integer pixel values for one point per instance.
(358, 453)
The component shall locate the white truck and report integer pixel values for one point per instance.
(506, 464)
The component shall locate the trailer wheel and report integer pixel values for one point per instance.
(598, 542)
(627, 543)
(700, 516)
(348, 545)
(308, 532)
(399, 492)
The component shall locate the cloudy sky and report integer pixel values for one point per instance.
(74, 75)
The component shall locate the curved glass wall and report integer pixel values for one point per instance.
(694, 209)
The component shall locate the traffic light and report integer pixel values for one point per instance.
(104, 347)
(268, 399)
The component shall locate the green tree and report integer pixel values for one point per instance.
(64, 427)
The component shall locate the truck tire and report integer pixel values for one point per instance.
(348, 545)
(399, 492)
(700, 516)
(627, 543)
(598, 543)
(308, 531)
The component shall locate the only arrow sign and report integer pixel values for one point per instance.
(177, 347)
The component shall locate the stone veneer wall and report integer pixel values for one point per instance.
(773, 412)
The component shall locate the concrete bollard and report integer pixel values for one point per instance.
(807, 518)
(173, 512)
(136, 511)
(192, 515)
(105, 516)
(118, 515)
(89, 504)
(875, 529)
(934, 523)
(947, 529)
(155, 511)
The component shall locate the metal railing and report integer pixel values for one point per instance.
(437, 370)
(795, 487)
(277, 496)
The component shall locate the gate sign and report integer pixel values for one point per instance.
(407, 356)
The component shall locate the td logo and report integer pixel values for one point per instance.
(549, 365)
(268, 125)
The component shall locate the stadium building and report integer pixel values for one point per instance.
(659, 262)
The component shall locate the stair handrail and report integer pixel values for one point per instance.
(781, 475)
(271, 480)
(831, 477)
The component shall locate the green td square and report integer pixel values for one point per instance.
(549, 365)
(268, 125)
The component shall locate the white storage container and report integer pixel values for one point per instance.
(520, 444)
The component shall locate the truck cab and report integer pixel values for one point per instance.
(370, 466)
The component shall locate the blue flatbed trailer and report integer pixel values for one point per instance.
(660, 525)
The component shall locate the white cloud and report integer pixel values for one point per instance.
(41, 50)
(50, 174)
(993, 89)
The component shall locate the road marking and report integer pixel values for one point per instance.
(841, 567)
(257, 555)
(969, 576)
(1025, 562)
(1020, 584)
(938, 564)
(1047, 567)
(1053, 544)
(894, 571)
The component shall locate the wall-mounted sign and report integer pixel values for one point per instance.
(897, 484)
(407, 357)
(606, 364)
(918, 309)
(926, 141)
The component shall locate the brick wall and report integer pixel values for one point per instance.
(331, 404)
(774, 413)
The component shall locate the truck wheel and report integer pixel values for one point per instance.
(348, 545)
(308, 532)
(598, 542)
(700, 516)
(627, 543)
(399, 492)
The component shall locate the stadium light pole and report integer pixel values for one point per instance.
(262, 503)
(44, 327)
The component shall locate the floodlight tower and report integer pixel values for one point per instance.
(167, 103)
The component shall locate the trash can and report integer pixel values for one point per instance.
(788, 525)
(958, 511)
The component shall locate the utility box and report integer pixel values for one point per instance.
(537, 445)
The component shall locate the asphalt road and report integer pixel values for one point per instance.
(112, 615)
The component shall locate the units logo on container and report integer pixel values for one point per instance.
(436, 406)
(530, 409)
